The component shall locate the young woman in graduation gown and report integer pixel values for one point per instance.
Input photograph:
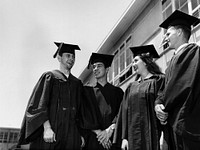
(137, 125)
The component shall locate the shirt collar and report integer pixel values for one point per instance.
(147, 77)
(180, 47)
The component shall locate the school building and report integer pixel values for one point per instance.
(9, 138)
(139, 25)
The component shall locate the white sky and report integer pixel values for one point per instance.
(28, 29)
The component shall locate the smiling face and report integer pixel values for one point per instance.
(67, 60)
(172, 36)
(99, 70)
(138, 65)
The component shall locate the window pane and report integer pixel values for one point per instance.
(122, 48)
(110, 73)
(128, 57)
(185, 9)
(15, 137)
(165, 4)
(11, 137)
(5, 137)
(177, 4)
(196, 13)
(128, 51)
(122, 62)
(181, 5)
(182, 2)
(194, 4)
(122, 58)
(1, 136)
(116, 66)
(128, 42)
(167, 13)
(116, 82)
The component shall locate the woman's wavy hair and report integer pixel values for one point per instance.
(152, 67)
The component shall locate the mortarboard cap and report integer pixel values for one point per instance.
(104, 58)
(65, 48)
(145, 49)
(179, 18)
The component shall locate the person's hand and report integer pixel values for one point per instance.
(161, 115)
(102, 136)
(110, 130)
(82, 142)
(124, 145)
(48, 135)
(106, 144)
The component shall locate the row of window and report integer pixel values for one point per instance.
(191, 7)
(121, 68)
(9, 137)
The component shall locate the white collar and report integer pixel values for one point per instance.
(67, 75)
(180, 47)
(149, 75)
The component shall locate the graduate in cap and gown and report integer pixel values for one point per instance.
(52, 117)
(179, 105)
(137, 125)
(104, 100)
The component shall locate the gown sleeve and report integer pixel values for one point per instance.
(91, 118)
(37, 111)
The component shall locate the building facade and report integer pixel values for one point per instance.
(139, 25)
(9, 138)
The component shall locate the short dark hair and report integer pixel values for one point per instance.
(186, 31)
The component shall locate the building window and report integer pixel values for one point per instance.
(195, 4)
(128, 52)
(110, 73)
(182, 5)
(15, 138)
(195, 8)
(116, 82)
(122, 58)
(191, 7)
(116, 64)
(126, 75)
(5, 137)
(166, 9)
(11, 137)
(122, 63)
(1, 137)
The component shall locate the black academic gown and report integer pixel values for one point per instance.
(57, 99)
(103, 105)
(182, 93)
(137, 121)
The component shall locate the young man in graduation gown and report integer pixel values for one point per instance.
(52, 118)
(179, 106)
(104, 102)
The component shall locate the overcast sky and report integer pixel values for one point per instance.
(28, 29)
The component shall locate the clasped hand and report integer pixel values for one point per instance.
(103, 137)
